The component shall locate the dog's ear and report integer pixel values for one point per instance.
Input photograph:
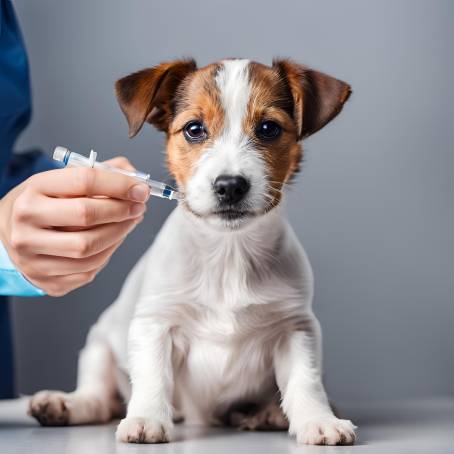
(317, 97)
(147, 95)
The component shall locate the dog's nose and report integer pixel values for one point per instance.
(230, 189)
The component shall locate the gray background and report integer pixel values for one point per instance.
(372, 206)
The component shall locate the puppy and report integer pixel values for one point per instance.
(214, 323)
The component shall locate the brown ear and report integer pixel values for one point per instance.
(317, 97)
(147, 95)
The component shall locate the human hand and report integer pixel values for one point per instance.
(61, 227)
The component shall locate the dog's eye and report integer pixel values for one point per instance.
(268, 130)
(194, 131)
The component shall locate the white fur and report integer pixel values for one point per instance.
(215, 318)
(235, 89)
(210, 317)
(231, 153)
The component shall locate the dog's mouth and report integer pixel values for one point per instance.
(232, 214)
(229, 216)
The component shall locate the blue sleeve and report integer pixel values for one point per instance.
(12, 282)
(15, 104)
(15, 112)
(15, 96)
(22, 166)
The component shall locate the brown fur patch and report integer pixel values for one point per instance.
(197, 99)
(318, 97)
(147, 95)
(271, 99)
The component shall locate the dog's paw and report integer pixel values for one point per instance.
(325, 430)
(142, 430)
(49, 408)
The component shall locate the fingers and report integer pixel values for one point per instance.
(82, 212)
(51, 266)
(64, 274)
(74, 182)
(73, 244)
(61, 285)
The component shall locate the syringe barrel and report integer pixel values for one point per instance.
(144, 177)
(157, 188)
(71, 159)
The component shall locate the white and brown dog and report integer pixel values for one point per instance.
(215, 322)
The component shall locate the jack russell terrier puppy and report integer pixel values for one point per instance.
(222, 332)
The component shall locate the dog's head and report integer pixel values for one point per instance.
(233, 128)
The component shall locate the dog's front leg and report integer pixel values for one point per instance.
(149, 416)
(304, 401)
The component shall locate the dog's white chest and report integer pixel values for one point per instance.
(219, 368)
(210, 347)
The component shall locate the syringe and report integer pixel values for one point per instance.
(70, 159)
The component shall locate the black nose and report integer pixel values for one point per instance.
(230, 189)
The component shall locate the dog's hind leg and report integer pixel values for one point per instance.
(95, 399)
(264, 417)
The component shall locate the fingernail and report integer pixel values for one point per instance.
(139, 193)
(136, 209)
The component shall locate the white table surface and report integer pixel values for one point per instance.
(424, 426)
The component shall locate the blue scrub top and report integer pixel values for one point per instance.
(15, 112)
(15, 104)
